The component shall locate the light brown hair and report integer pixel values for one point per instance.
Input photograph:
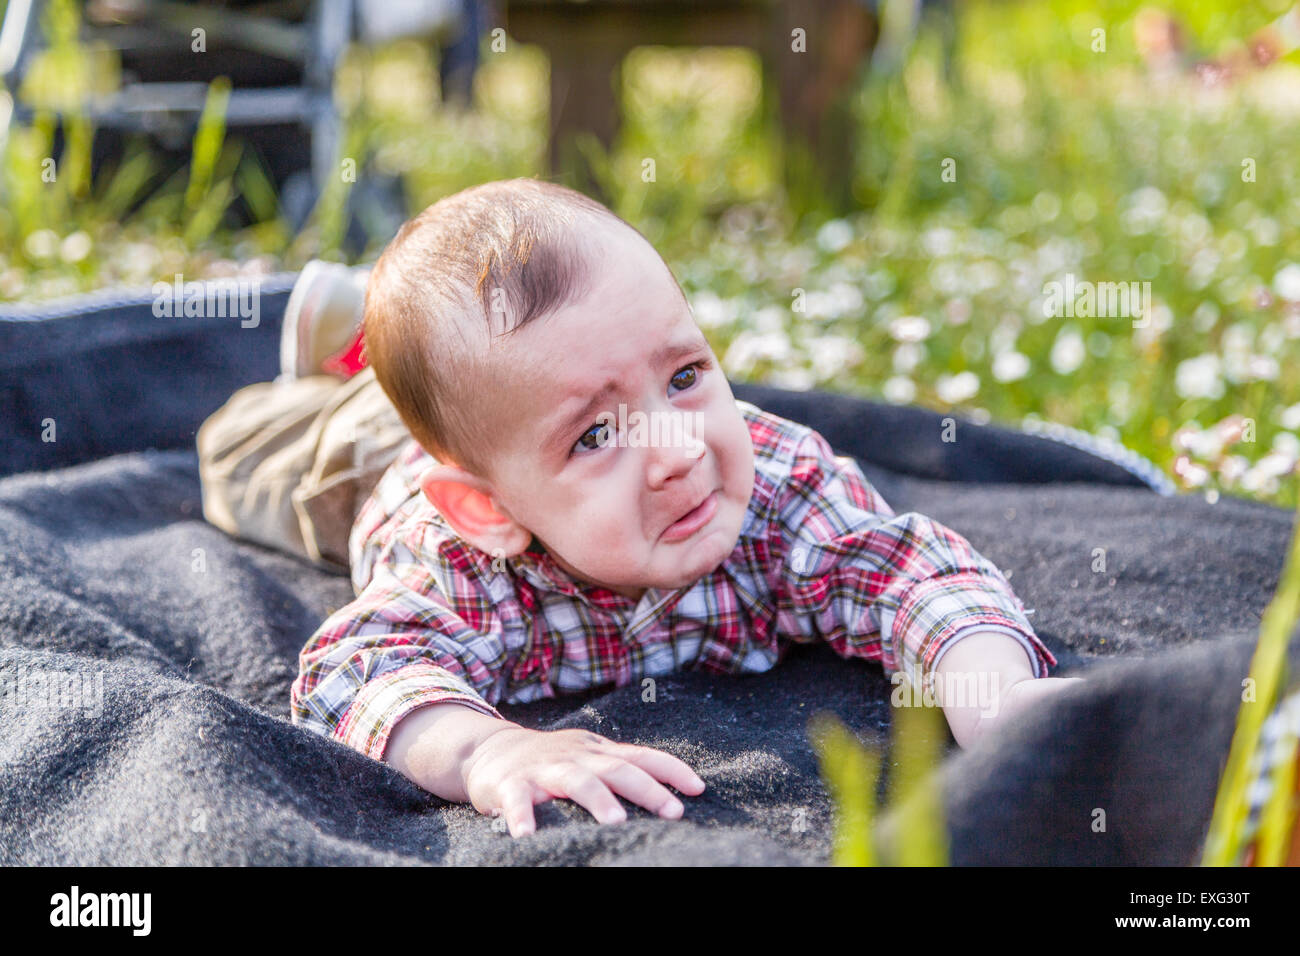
(475, 265)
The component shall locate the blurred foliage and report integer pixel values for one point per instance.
(911, 831)
(1224, 843)
(1066, 160)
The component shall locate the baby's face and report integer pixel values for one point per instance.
(604, 488)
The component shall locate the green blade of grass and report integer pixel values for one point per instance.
(1267, 670)
(208, 140)
(1278, 818)
(918, 733)
(850, 772)
(256, 188)
(130, 177)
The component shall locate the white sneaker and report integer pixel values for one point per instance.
(324, 311)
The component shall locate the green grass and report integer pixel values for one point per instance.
(1268, 684)
(914, 833)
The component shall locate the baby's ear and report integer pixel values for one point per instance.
(466, 502)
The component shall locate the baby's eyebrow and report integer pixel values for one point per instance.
(661, 356)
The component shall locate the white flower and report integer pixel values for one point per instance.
(1004, 334)
(939, 242)
(948, 278)
(1206, 444)
(1287, 282)
(907, 356)
(910, 328)
(749, 347)
(1202, 266)
(1289, 417)
(41, 244)
(825, 305)
(1010, 366)
(1199, 377)
(1232, 468)
(1264, 475)
(1265, 230)
(1238, 337)
(834, 235)
(957, 388)
(959, 311)
(798, 379)
(900, 390)
(1275, 464)
(1254, 480)
(846, 299)
(1046, 206)
(140, 258)
(1205, 316)
(1192, 474)
(75, 247)
(1262, 368)
(1182, 438)
(833, 354)
(1287, 444)
(984, 275)
(1068, 350)
(1145, 208)
(1271, 338)
(710, 311)
(796, 260)
(771, 318)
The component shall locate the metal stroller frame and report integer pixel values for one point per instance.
(281, 56)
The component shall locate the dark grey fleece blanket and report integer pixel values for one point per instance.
(146, 658)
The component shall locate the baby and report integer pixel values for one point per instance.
(536, 538)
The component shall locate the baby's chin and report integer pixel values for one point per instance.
(690, 564)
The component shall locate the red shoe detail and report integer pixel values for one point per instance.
(348, 362)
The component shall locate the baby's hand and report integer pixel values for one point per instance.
(515, 768)
(1020, 696)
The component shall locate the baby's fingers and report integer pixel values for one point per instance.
(630, 781)
(517, 806)
(577, 783)
(663, 767)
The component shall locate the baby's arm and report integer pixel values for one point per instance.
(887, 586)
(1002, 671)
(406, 675)
(467, 757)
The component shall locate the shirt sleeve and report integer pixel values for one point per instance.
(901, 589)
(401, 645)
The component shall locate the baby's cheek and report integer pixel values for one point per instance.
(740, 459)
(605, 540)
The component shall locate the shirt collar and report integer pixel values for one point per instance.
(538, 566)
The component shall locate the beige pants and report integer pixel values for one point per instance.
(289, 464)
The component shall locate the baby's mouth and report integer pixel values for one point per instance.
(695, 519)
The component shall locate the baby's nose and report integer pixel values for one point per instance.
(672, 460)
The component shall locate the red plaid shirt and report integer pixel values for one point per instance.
(820, 557)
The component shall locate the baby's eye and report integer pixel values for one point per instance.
(690, 373)
(595, 437)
